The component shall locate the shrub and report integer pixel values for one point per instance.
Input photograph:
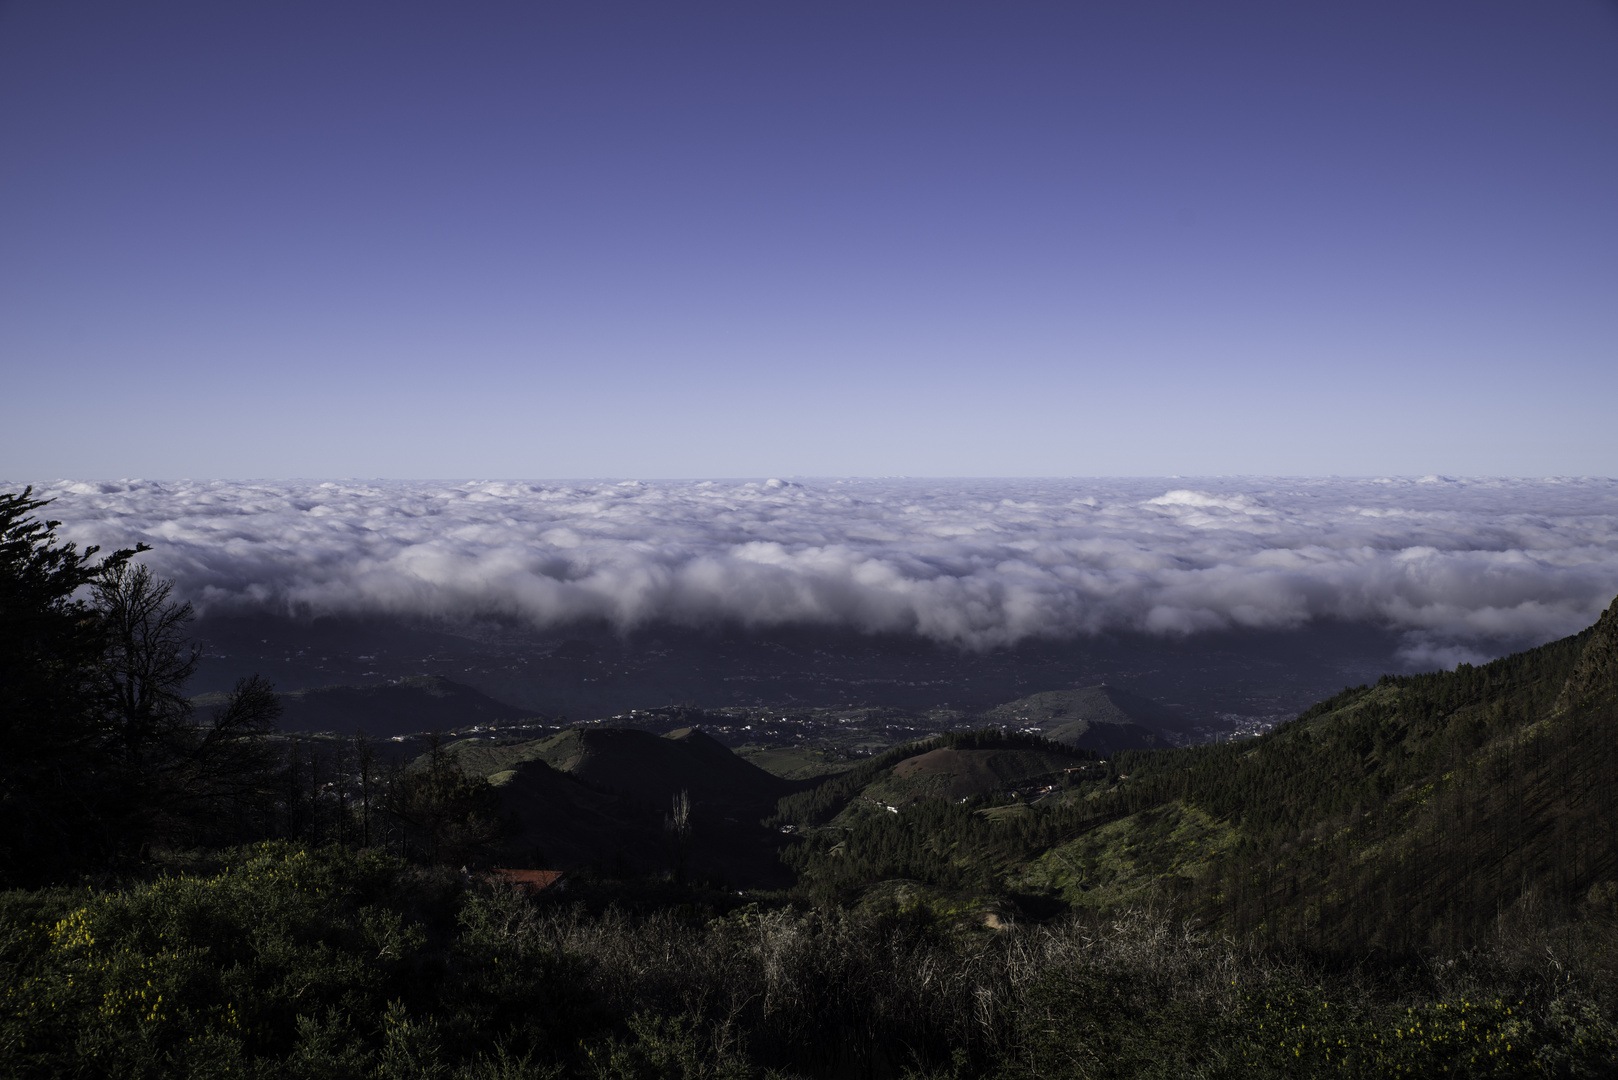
(312, 962)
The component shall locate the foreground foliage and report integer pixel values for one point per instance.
(289, 962)
(106, 763)
(321, 963)
(103, 755)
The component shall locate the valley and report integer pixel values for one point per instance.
(1401, 814)
(1215, 683)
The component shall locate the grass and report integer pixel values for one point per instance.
(1131, 860)
(795, 762)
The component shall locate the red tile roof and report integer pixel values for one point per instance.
(529, 881)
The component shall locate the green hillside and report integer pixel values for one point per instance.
(956, 774)
(1105, 738)
(1100, 718)
(953, 766)
(1102, 704)
(1398, 816)
(1408, 813)
(796, 762)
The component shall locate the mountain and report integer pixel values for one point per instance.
(599, 796)
(566, 823)
(639, 765)
(1593, 679)
(956, 774)
(950, 767)
(1407, 814)
(592, 670)
(1419, 812)
(413, 704)
(1102, 718)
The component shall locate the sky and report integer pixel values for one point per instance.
(520, 240)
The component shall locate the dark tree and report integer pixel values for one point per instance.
(146, 664)
(677, 832)
(102, 753)
(52, 643)
(367, 783)
(178, 781)
(219, 786)
(447, 816)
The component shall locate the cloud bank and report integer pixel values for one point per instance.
(1458, 566)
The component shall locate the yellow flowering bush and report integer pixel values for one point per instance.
(284, 955)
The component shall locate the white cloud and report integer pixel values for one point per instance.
(1454, 563)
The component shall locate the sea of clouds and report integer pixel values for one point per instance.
(1459, 567)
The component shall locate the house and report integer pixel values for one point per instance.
(532, 882)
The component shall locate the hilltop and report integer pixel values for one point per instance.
(1102, 718)
(958, 773)
(636, 764)
(600, 796)
(952, 767)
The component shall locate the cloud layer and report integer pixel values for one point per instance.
(1457, 565)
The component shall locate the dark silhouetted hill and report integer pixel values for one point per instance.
(599, 796)
(567, 823)
(640, 765)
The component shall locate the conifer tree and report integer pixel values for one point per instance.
(52, 643)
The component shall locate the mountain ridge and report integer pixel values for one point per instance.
(1102, 718)
(411, 705)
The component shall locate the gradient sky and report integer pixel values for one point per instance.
(792, 238)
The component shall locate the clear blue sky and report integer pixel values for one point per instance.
(808, 238)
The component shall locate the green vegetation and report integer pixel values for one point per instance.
(793, 762)
(1405, 815)
(822, 802)
(650, 767)
(318, 963)
(1413, 878)
(964, 847)
(281, 961)
(1394, 817)
(1161, 851)
(1101, 718)
(103, 757)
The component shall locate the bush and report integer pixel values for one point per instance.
(329, 964)
(314, 962)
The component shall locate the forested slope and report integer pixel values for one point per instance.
(1400, 816)
(1407, 813)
